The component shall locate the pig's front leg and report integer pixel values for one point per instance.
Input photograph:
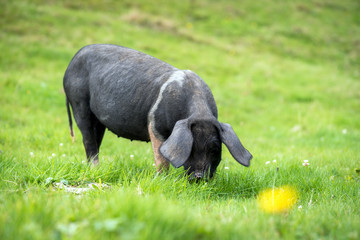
(160, 162)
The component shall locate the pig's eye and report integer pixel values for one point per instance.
(214, 151)
(214, 147)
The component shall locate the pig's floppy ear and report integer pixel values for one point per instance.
(177, 148)
(232, 142)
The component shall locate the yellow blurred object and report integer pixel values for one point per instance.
(277, 200)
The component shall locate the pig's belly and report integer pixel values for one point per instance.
(125, 119)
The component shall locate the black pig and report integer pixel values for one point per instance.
(139, 97)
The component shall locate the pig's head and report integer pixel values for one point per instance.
(196, 145)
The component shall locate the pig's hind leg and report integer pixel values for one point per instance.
(91, 129)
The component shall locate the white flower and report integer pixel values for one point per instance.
(305, 161)
(53, 155)
(31, 154)
(131, 156)
(61, 144)
(300, 207)
(64, 155)
(344, 131)
(274, 161)
(268, 162)
(154, 164)
(305, 164)
(139, 190)
(296, 128)
(226, 168)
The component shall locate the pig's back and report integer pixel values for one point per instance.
(122, 84)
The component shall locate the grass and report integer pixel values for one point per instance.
(285, 75)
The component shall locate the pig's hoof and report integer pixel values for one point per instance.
(162, 169)
(94, 163)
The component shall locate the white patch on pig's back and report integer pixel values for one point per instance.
(177, 77)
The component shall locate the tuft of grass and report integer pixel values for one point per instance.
(284, 75)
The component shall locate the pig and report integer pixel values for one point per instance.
(139, 97)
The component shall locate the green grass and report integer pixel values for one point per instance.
(284, 74)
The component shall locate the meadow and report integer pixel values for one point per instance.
(284, 74)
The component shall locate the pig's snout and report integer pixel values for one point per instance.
(198, 175)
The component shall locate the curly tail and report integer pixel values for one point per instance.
(70, 120)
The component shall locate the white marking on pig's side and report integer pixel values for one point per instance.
(178, 77)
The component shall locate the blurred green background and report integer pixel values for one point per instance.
(285, 75)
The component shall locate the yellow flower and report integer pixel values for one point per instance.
(189, 25)
(277, 200)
